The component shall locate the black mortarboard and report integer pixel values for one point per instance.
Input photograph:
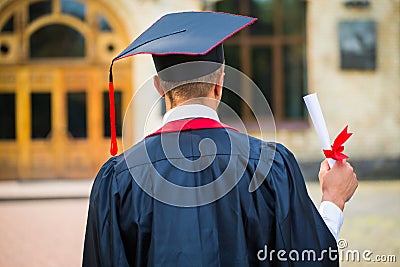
(200, 65)
(177, 38)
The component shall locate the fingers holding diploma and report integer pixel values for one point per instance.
(338, 183)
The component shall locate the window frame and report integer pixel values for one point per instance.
(277, 42)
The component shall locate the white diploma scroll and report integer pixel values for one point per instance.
(317, 118)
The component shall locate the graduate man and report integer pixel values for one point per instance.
(181, 196)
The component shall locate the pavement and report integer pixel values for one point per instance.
(44, 189)
(42, 223)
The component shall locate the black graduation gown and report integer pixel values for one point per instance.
(276, 225)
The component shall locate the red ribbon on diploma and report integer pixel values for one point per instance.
(337, 147)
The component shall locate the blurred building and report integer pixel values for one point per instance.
(55, 57)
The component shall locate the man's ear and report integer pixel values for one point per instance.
(218, 87)
(158, 86)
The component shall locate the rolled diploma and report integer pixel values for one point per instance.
(317, 118)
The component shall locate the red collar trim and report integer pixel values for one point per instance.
(191, 124)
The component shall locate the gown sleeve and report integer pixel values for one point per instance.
(103, 244)
(299, 225)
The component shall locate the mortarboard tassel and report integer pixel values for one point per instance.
(113, 146)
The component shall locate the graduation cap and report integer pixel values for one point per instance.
(178, 38)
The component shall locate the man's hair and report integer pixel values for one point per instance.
(195, 88)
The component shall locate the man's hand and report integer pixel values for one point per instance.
(338, 184)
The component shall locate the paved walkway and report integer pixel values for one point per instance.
(49, 232)
(42, 223)
(44, 189)
(46, 233)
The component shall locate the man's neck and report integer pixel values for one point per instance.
(190, 111)
(205, 101)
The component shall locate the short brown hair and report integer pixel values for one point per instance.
(196, 88)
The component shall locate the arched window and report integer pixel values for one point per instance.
(57, 41)
(51, 29)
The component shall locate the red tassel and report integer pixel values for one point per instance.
(114, 145)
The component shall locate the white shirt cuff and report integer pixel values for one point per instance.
(332, 216)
